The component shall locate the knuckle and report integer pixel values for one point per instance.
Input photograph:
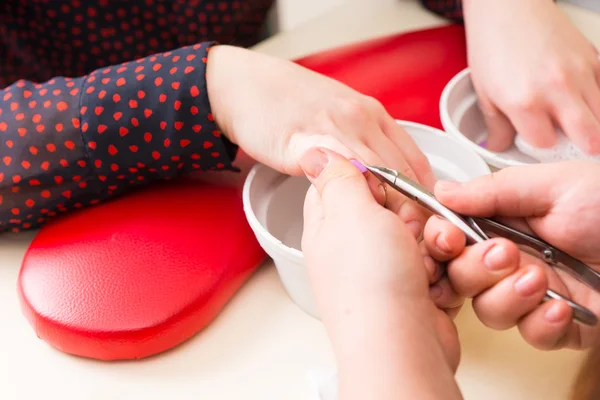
(337, 181)
(560, 77)
(373, 104)
(525, 101)
(351, 108)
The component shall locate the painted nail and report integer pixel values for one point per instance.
(527, 284)
(447, 186)
(359, 165)
(555, 313)
(313, 162)
(495, 258)
(483, 144)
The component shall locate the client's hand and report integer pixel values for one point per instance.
(276, 110)
(559, 203)
(371, 288)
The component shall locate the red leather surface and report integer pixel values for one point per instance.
(406, 72)
(139, 275)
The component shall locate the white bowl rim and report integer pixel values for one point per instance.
(290, 252)
(449, 126)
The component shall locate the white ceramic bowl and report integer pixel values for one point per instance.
(273, 203)
(463, 120)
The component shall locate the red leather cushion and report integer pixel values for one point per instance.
(137, 276)
(141, 274)
(405, 72)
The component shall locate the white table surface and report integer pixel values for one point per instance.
(262, 345)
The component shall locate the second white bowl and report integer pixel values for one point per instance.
(463, 120)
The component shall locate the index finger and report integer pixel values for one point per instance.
(524, 191)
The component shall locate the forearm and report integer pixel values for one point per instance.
(70, 143)
(383, 354)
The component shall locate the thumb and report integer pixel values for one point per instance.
(525, 191)
(336, 180)
(500, 131)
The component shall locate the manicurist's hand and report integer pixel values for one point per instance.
(276, 110)
(372, 290)
(533, 71)
(559, 203)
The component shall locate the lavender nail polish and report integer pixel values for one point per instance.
(359, 165)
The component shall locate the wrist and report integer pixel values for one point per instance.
(218, 61)
(487, 9)
(391, 355)
(373, 320)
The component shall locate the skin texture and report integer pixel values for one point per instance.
(533, 72)
(276, 110)
(559, 203)
(372, 289)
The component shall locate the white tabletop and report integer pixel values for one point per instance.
(262, 345)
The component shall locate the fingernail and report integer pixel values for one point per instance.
(555, 313)
(442, 242)
(495, 258)
(359, 165)
(447, 186)
(415, 228)
(527, 284)
(313, 162)
(483, 144)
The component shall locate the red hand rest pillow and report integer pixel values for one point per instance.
(406, 72)
(141, 274)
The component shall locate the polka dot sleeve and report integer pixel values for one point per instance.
(71, 143)
(451, 9)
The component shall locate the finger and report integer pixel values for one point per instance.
(549, 326)
(444, 296)
(414, 157)
(579, 124)
(453, 312)
(377, 188)
(502, 306)
(524, 191)
(591, 91)
(596, 66)
(500, 130)
(443, 240)
(535, 127)
(380, 151)
(313, 212)
(591, 95)
(336, 180)
(482, 266)
(433, 268)
(448, 336)
(373, 147)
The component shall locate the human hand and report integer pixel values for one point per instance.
(371, 287)
(559, 203)
(276, 110)
(532, 68)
